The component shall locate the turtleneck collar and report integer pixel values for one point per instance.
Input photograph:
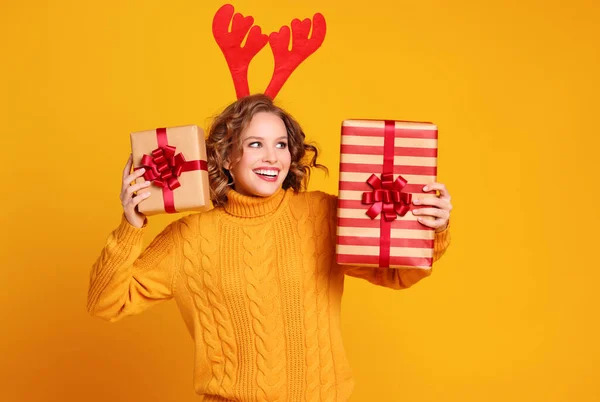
(245, 206)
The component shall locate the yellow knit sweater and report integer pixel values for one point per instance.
(259, 290)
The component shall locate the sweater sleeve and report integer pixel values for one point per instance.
(124, 280)
(395, 278)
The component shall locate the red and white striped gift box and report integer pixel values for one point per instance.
(370, 150)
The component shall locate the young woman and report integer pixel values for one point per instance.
(255, 278)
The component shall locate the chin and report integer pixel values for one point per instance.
(266, 191)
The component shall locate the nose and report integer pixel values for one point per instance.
(269, 155)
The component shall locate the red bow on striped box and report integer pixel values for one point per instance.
(387, 197)
(375, 227)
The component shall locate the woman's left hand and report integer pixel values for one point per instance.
(438, 215)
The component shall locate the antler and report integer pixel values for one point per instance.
(302, 47)
(238, 58)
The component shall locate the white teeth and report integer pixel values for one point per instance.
(264, 172)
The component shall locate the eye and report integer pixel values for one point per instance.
(255, 144)
(282, 145)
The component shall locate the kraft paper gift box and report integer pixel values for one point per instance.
(175, 163)
(384, 165)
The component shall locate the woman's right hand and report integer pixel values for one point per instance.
(129, 199)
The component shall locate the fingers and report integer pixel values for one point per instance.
(435, 218)
(433, 212)
(433, 223)
(127, 180)
(137, 187)
(444, 194)
(434, 201)
(442, 201)
(131, 190)
(139, 198)
(438, 216)
(129, 200)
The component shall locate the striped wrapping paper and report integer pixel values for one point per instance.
(406, 149)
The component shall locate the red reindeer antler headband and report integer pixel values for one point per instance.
(238, 58)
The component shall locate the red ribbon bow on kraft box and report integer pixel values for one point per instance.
(374, 226)
(177, 184)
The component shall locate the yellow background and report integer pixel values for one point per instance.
(511, 312)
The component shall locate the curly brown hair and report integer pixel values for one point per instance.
(225, 136)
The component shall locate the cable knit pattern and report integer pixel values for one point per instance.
(258, 287)
(208, 254)
(324, 264)
(109, 261)
(263, 292)
(196, 283)
(300, 212)
(290, 283)
(234, 286)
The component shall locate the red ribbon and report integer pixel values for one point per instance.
(387, 197)
(163, 167)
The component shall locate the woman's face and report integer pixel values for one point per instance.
(265, 160)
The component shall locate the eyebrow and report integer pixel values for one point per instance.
(284, 137)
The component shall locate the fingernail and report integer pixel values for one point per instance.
(415, 211)
(147, 183)
(146, 194)
(417, 201)
(425, 188)
(142, 170)
(420, 219)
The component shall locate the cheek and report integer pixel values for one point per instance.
(287, 159)
(247, 161)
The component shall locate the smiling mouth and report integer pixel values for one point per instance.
(269, 174)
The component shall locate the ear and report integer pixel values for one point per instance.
(226, 164)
